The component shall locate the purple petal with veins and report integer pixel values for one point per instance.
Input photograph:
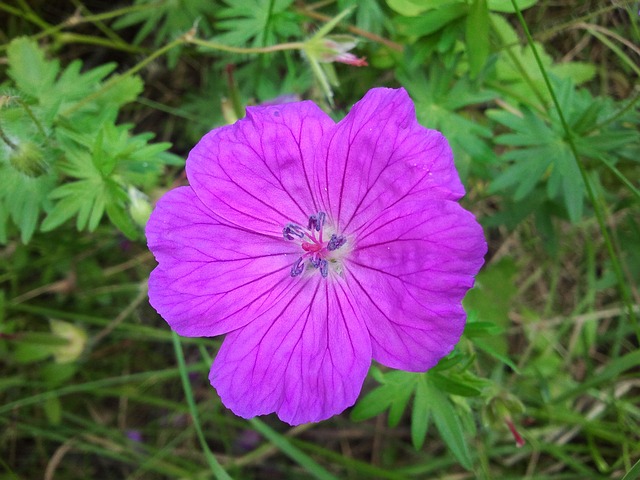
(316, 247)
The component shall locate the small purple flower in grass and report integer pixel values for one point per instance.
(315, 247)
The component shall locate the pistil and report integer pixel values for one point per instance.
(317, 252)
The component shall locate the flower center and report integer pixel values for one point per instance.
(317, 251)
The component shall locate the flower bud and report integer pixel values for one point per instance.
(499, 411)
(139, 208)
(337, 48)
(76, 341)
(28, 159)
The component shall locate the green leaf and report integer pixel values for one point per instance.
(490, 349)
(120, 218)
(4, 217)
(84, 198)
(433, 21)
(633, 473)
(53, 410)
(257, 23)
(477, 35)
(573, 188)
(481, 329)
(24, 198)
(452, 385)
(394, 390)
(506, 6)
(420, 414)
(440, 99)
(398, 406)
(166, 19)
(413, 8)
(449, 426)
(32, 73)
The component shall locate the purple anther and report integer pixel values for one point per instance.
(324, 268)
(316, 222)
(315, 261)
(297, 268)
(292, 230)
(336, 241)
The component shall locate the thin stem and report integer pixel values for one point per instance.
(81, 9)
(355, 30)
(32, 16)
(68, 37)
(616, 115)
(615, 261)
(248, 50)
(32, 116)
(78, 19)
(621, 177)
(6, 140)
(216, 468)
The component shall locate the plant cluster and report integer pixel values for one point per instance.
(100, 105)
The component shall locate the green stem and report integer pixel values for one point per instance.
(248, 50)
(621, 177)
(311, 466)
(96, 17)
(522, 71)
(6, 140)
(99, 24)
(216, 468)
(32, 16)
(615, 261)
(32, 116)
(616, 115)
(68, 37)
(79, 20)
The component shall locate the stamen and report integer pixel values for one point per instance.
(324, 268)
(316, 222)
(316, 251)
(315, 261)
(297, 268)
(336, 241)
(290, 230)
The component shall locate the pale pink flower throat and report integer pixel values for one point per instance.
(317, 250)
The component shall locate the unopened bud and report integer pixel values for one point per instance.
(499, 412)
(139, 208)
(76, 341)
(337, 48)
(28, 159)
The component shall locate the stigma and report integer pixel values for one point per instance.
(317, 250)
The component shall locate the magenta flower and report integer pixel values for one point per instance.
(316, 247)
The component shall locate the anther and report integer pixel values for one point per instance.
(292, 230)
(336, 241)
(324, 268)
(297, 268)
(315, 262)
(316, 222)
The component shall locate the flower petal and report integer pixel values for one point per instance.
(212, 278)
(409, 273)
(305, 359)
(379, 154)
(257, 172)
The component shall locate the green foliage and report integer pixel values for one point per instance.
(163, 20)
(441, 98)
(477, 36)
(439, 396)
(63, 153)
(94, 384)
(257, 22)
(540, 152)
